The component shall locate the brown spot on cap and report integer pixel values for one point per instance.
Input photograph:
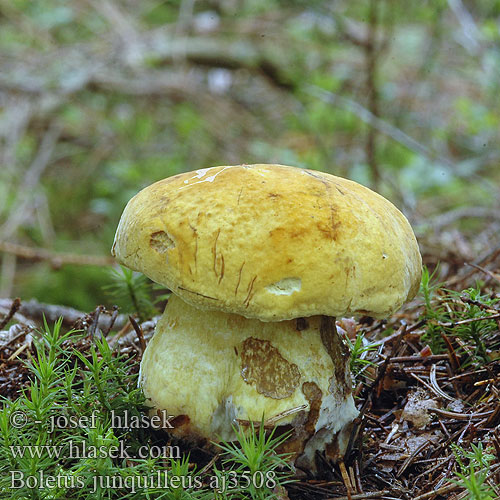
(161, 242)
(263, 366)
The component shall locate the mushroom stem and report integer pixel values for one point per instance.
(242, 369)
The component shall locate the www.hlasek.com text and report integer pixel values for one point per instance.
(78, 450)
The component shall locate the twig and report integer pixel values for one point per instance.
(452, 355)
(382, 126)
(432, 389)
(38, 310)
(410, 459)
(357, 477)
(111, 321)
(16, 304)
(95, 322)
(460, 416)
(140, 334)
(495, 276)
(345, 478)
(435, 385)
(383, 368)
(362, 496)
(488, 257)
(56, 259)
(468, 320)
(31, 179)
(415, 359)
(18, 351)
(469, 29)
(448, 218)
(439, 491)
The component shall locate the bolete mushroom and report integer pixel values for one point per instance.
(260, 260)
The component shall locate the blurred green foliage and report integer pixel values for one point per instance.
(101, 75)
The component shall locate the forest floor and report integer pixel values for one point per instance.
(427, 386)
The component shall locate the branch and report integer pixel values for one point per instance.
(55, 259)
(107, 61)
(471, 34)
(35, 310)
(457, 214)
(31, 179)
(369, 118)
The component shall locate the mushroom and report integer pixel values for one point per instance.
(260, 260)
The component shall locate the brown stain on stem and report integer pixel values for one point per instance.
(337, 351)
(314, 396)
(263, 366)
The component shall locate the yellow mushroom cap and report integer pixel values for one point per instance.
(271, 242)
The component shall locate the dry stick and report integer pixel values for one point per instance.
(472, 36)
(460, 416)
(345, 478)
(123, 331)
(454, 362)
(448, 218)
(111, 321)
(55, 259)
(382, 126)
(494, 419)
(353, 481)
(362, 496)
(18, 351)
(93, 327)
(411, 359)
(35, 310)
(434, 383)
(495, 276)
(357, 477)
(440, 463)
(484, 307)
(30, 181)
(209, 465)
(138, 330)
(411, 458)
(398, 333)
(22, 207)
(16, 304)
(484, 260)
(432, 389)
(22, 333)
(439, 491)
(468, 320)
